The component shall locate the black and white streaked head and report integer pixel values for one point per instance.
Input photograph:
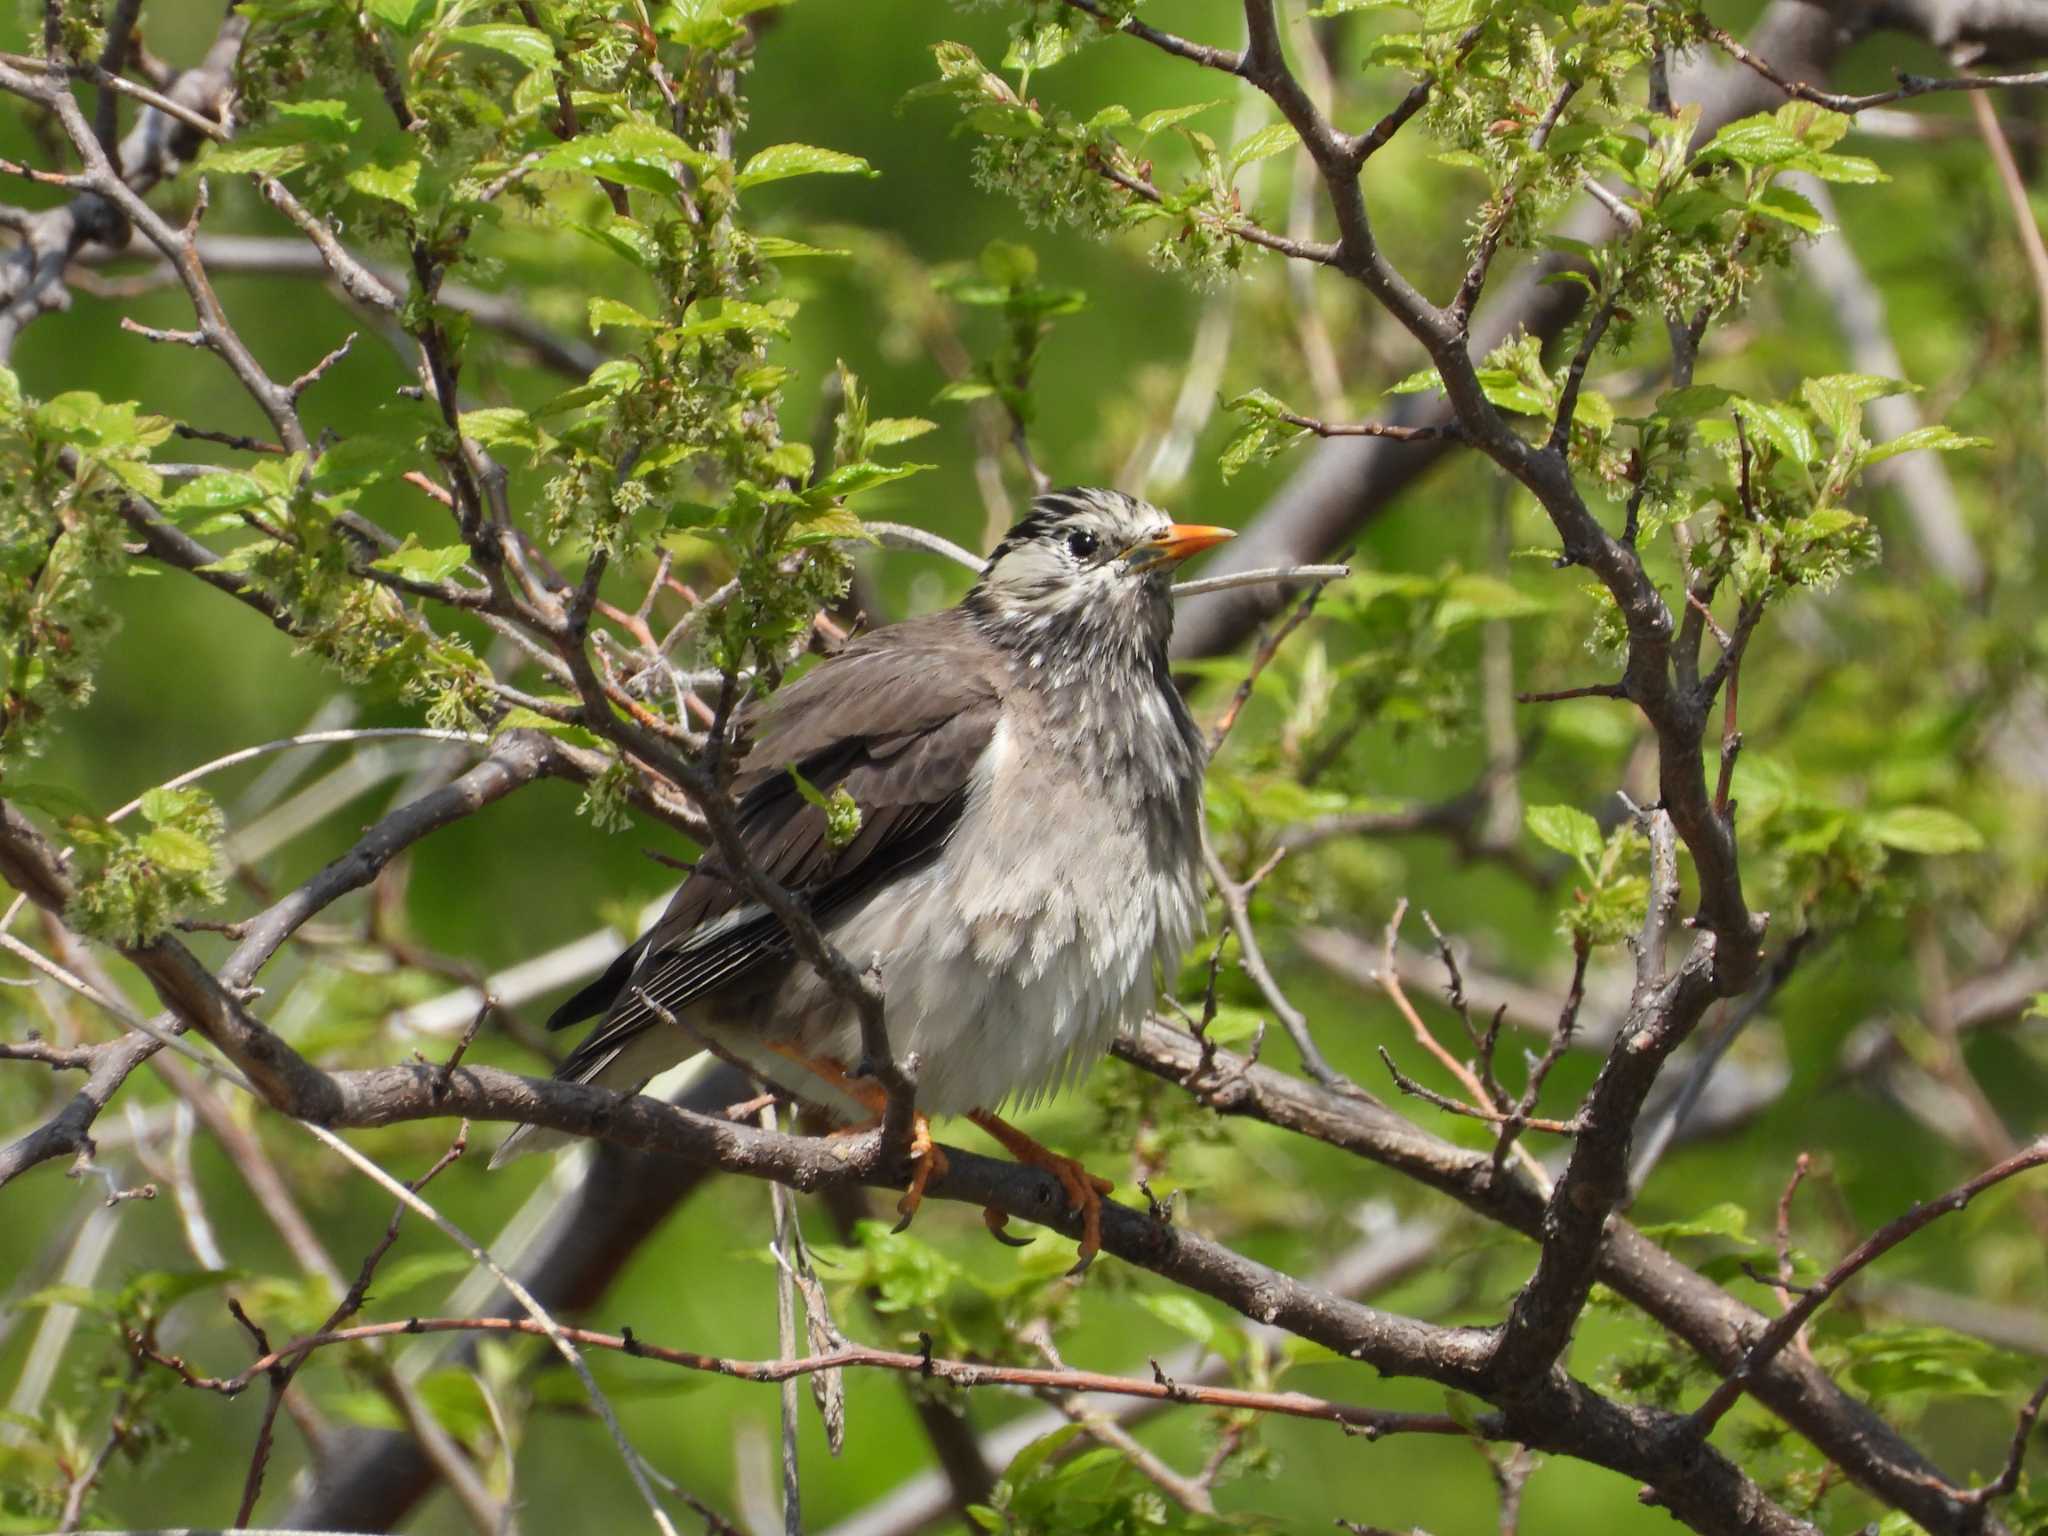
(1086, 577)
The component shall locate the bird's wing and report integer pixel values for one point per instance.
(898, 720)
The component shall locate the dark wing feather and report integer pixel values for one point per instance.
(899, 720)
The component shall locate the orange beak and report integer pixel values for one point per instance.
(1178, 542)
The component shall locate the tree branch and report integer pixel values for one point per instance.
(1785, 1327)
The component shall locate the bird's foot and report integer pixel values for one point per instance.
(926, 1160)
(1084, 1190)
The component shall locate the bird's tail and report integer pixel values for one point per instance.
(624, 1067)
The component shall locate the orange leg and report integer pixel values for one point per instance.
(926, 1159)
(1083, 1189)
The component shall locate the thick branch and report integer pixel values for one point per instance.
(1560, 1414)
(1710, 1320)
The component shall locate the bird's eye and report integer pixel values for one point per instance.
(1082, 543)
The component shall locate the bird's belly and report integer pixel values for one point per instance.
(1003, 981)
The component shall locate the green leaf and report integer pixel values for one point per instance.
(176, 850)
(417, 1269)
(616, 312)
(1691, 403)
(851, 479)
(82, 1297)
(355, 462)
(403, 16)
(1167, 117)
(628, 238)
(331, 121)
(778, 162)
(392, 183)
(254, 159)
(415, 563)
(1274, 139)
(1755, 141)
(1724, 1220)
(1567, 829)
(1939, 439)
(1782, 427)
(1923, 829)
(1788, 207)
(520, 718)
(1817, 127)
(1008, 264)
(1417, 382)
(1258, 402)
(1594, 413)
(500, 426)
(778, 248)
(161, 806)
(842, 813)
(159, 1290)
(529, 45)
(1838, 398)
(58, 800)
(1041, 47)
(1186, 1315)
(1846, 170)
(891, 430)
(1038, 1453)
(633, 154)
(711, 317)
(1886, 1361)
(222, 492)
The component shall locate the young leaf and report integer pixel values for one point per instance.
(779, 161)
(529, 45)
(891, 430)
(417, 564)
(1923, 829)
(222, 492)
(390, 183)
(1939, 439)
(632, 154)
(1273, 139)
(1567, 829)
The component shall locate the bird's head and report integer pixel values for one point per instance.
(1086, 567)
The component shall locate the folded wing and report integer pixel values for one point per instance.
(900, 721)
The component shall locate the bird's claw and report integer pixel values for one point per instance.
(1084, 1190)
(926, 1160)
(996, 1221)
(1084, 1193)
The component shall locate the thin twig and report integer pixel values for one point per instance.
(1882, 1241)
(1262, 657)
(1373, 1422)
(1235, 896)
(1908, 87)
(537, 1320)
(1389, 977)
(1264, 576)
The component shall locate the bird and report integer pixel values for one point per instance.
(1029, 791)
